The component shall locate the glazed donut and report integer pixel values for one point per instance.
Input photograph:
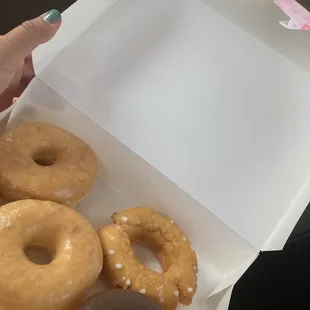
(75, 246)
(46, 163)
(178, 260)
(120, 300)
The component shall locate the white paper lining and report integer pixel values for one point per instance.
(127, 181)
(205, 101)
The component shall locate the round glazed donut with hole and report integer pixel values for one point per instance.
(45, 162)
(178, 281)
(71, 241)
(120, 300)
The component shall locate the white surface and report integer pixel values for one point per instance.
(225, 300)
(215, 110)
(74, 22)
(292, 215)
(258, 17)
(220, 301)
(127, 180)
(261, 18)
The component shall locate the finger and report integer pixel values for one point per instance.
(28, 72)
(21, 41)
(27, 76)
(6, 98)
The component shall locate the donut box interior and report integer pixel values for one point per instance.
(189, 114)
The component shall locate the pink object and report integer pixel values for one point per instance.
(299, 16)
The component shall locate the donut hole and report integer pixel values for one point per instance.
(38, 255)
(147, 257)
(45, 157)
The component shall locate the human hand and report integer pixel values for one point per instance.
(16, 68)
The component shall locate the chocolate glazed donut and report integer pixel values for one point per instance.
(120, 300)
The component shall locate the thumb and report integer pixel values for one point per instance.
(21, 41)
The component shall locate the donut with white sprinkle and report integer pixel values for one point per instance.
(177, 282)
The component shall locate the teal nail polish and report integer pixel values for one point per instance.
(52, 16)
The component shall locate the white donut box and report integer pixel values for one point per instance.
(198, 110)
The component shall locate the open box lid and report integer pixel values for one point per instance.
(210, 106)
(262, 19)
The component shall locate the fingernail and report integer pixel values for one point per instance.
(52, 16)
(14, 100)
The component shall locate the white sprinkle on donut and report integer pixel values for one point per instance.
(128, 282)
(111, 252)
(190, 289)
(118, 266)
(172, 221)
(184, 238)
(195, 267)
(124, 219)
(161, 294)
(176, 293)
(143, 291)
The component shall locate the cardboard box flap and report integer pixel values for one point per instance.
(225, 301)
(221, 300)
(233, 276)
(200, 99)
(279, 237)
